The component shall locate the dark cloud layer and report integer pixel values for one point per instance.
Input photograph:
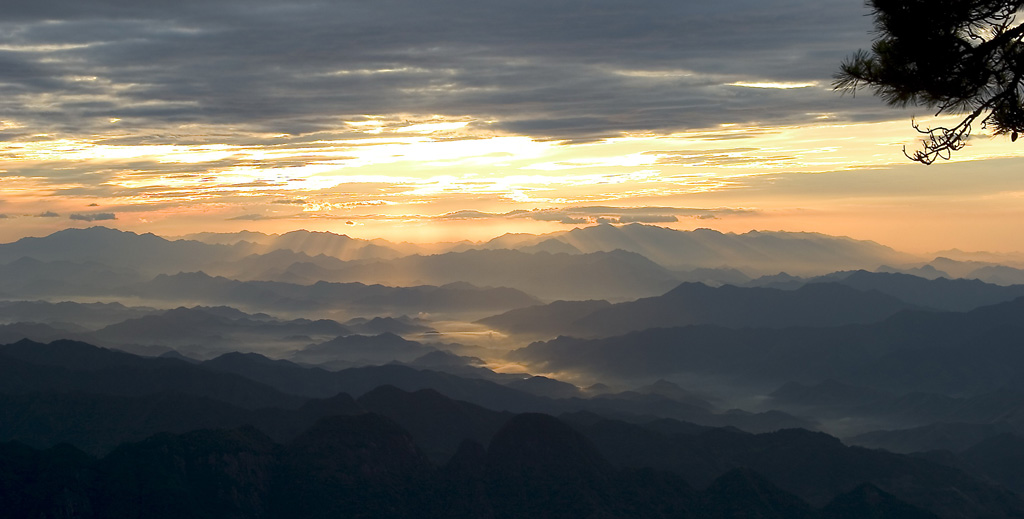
(573, 69)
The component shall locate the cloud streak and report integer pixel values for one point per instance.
(93, 217)
(565, 70)
(600, 214)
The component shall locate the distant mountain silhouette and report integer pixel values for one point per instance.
(308, 242)
(544, 320)
(819, 305)
(497, 391)
(762, 252)
(30, 278)
(713, 276)
(606, 274)
(212, 329)
(953, 437)
(950, 353)
(397, 325)
(68, 366)
(39, 332)
(200, 287)
(955, 295)
(146, 253)
(360, 350)
(998, 274)
(926, 271)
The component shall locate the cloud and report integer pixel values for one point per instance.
(651, 219)
(562, 70)
(47, 214)
(252, 217)
(470, 215)
(93, 217)
(606, 214)
(601, 214)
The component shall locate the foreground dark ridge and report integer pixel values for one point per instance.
(367, 466)
(430, 457)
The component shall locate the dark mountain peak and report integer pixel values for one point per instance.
(189, 277)
(427, 403)
(541, 443)
(468, 461)
(352, 466)
(233, 313)
(237, 358)
(459, 285)
(834, 289)
(300, 233)
(696, 303)
(95, 230)
(537, 466)
(175, 354)
(365, 444)
(551, 246)
(400, 325)
(712, 232)
(743, 492)
(870, 502)
(24, 262)
(691, 287)
(380, 341)
(222, 473)
(74, 355)
(443, 358)
(544, 319)
(340, 404)
(803, 438)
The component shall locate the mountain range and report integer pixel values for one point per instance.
(941, 352)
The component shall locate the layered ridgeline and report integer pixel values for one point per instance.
(107, 434)
(672, 374)
(851, 297)
(944, 352)
(596, 262)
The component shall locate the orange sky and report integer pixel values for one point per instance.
(451, 120)
(437, 181)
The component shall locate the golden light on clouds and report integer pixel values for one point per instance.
(398, 167)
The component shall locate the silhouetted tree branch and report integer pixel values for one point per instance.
(955, 56)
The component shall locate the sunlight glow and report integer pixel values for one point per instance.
(773, 84)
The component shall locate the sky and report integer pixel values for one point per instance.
(452, 119)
